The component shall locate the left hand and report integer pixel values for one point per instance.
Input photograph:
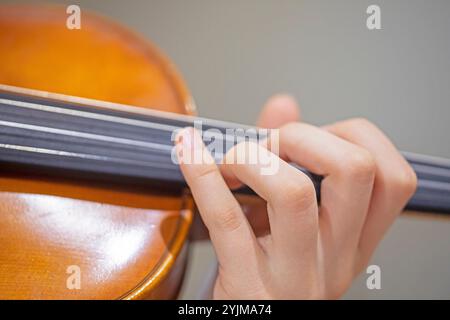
(312, 251)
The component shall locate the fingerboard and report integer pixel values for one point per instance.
(127, 145)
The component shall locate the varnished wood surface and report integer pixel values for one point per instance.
(128, 243)
(117, 248)
(102, 60)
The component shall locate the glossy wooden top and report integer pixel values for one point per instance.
(128, 243)
(102, 60)
(43, 236)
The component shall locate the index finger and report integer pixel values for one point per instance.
(230, 232)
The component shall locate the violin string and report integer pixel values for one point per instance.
(91, 136)
(433, 172)
(427, 159)
(426, 169)
(424, 184)
(109, 118)
(86, 156)
(106, 105)
(427, 190)
(422, 159)
(165, 127)
(421, 169)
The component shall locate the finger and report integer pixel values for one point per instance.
(230, 233)
(290, 194)
(279, 110)
(348, 172)
(395, 181)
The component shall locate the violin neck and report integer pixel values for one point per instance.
(87, 139)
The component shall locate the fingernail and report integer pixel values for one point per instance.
(184, 137)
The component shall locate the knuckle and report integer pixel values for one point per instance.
(228, 219)
(405, 181)
(239, 153)
(360, 165)
(299, 194)
(291, 129)
(290, 126)
(361, 123)
(206, 171)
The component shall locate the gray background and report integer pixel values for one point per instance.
(234, 54)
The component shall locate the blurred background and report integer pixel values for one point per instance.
(234, 54)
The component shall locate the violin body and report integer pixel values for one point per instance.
(70, 239)
(79, 218)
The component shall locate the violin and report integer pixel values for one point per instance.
(88, 184)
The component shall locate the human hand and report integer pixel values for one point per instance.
(312, 251)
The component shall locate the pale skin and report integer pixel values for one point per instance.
(313, 251)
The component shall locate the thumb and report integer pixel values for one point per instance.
(279, 110)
